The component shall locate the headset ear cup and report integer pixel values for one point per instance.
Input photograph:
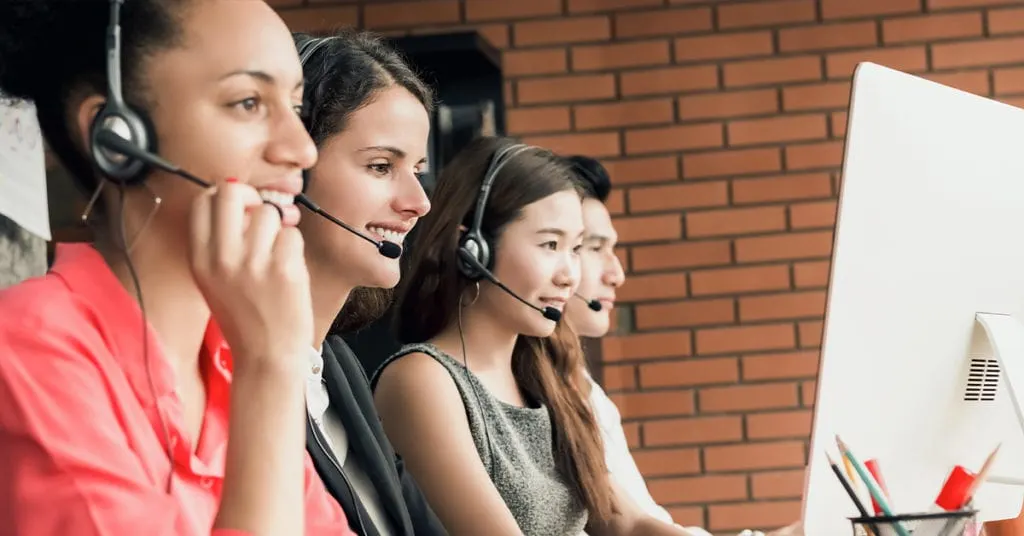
(152, 143)
(487, 255)
(130, 125)
(466, 249)
(474, 243)
(470, 246)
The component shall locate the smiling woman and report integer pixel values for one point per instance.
(487, 402)
(120, 365)
(485, 407)
(368, 112)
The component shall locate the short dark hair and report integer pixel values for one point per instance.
(52, 49)
(593, 177)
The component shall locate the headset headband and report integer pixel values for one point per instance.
(306, 51)
(310, 47)
(501, 157)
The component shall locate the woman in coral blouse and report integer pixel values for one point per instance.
(126, 368)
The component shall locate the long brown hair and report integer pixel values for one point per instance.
(364, 306)
(550, 369)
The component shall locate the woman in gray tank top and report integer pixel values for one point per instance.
(486, 403)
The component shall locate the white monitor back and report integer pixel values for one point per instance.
(930, 231)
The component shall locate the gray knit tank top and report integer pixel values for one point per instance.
(519, 457)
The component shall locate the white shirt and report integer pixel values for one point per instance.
(617, 456)
(318, 404)
(620, 461)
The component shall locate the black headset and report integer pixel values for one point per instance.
(118, 117)
(473, 243)
(306, 51)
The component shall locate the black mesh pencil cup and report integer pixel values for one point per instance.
(956, 523)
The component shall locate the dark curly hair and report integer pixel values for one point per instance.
(54, 50)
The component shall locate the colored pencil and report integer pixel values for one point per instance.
(870, 484)
(849, 472)
(849, 491)
(982, 474)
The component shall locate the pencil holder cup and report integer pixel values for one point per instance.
(957, 523)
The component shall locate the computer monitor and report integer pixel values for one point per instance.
(929, 233)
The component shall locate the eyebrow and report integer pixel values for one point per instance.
(398, 153)
(262, 76)
(556, 231)
(386, 148)
(601, 239)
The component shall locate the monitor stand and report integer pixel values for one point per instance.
(1001, 345)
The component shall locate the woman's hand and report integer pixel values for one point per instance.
(252, 272)
(253, 275)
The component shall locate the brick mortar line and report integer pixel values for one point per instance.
(672, 38)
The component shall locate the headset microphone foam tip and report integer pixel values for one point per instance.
(594, 305)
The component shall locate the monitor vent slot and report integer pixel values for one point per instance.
(982, 380)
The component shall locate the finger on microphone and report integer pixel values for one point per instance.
(263, 229)
(288, 253)
(280, 212)
(228, 216)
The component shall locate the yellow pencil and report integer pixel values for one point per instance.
(854, 481)
(849, 470)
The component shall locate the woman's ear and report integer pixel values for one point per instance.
(84, 116)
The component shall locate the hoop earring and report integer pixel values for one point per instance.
(92, 201)
(149, 218)
(476, 295)
(145, 224)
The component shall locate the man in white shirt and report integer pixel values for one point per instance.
(600, 275)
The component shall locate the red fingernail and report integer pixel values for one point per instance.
(230, 179)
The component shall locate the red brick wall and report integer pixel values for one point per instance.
(722, 124)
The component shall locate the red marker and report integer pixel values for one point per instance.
(954, 492)
(876, 473)
(953, 497)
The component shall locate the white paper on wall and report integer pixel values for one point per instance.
(23, 168)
